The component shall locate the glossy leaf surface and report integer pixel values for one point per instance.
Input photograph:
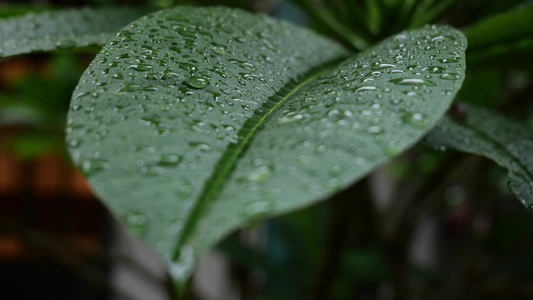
(63, 29)
(487, 133)
(195, 121)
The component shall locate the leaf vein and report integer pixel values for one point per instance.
(227, 161)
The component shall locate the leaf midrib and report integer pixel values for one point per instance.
(226, 163)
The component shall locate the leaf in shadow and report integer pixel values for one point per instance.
(489, 134)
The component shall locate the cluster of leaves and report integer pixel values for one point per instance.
(192, 122)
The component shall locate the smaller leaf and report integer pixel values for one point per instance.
(431, 14)
(63, 29)
(489, 134)
(504, 39)
(511, 55)
(502, 28)
(12, 10)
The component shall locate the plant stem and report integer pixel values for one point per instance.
(342, 207)
(400, 215)
(401, 223)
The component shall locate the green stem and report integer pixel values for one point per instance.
(400, 216)
(355, 200)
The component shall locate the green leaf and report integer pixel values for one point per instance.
(431, 14)
(63, 29)
(195, 121)
(487, 133)
(12, 10)
(509, 26)
(504, 39)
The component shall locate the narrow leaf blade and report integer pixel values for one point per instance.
(505, 27)
(503, 40)
(63, 29)
(489, 134)
(221, 117)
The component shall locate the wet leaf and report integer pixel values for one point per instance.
(202, 120)
(65, 29)
(489, 134)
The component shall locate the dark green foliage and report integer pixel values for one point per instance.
(266, 106)
(63, 29)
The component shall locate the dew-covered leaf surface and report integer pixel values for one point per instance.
(195, 121)
(489, 134)
(63, 29)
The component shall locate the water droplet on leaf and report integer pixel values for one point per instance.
(197, 82)
(137, 222)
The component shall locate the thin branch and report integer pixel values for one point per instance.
(355, 199)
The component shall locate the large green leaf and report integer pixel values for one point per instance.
(487, 133)
(63, 29)
(195, 121)
(504, 39)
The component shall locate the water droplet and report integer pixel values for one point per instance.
(137, 222)
(168, 74)
(375, 129)
(130, 87)
(90, 167)
(169, 160)
(201, 147)
(416, 119)
(151, 76)
(289, 118)
(442, 38)
(449, 76)
(185, 31)
(411, 93)
(218, 50)
(365, 88)
(396, 71)
(435, 69)
(260, 174)
(75, 143)
(380, 66)
(197, 82)
(248, 66)
(141, 67)
(258, 209)
(448, 60)
(188, 66)
(393, 149)
(412, 81)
